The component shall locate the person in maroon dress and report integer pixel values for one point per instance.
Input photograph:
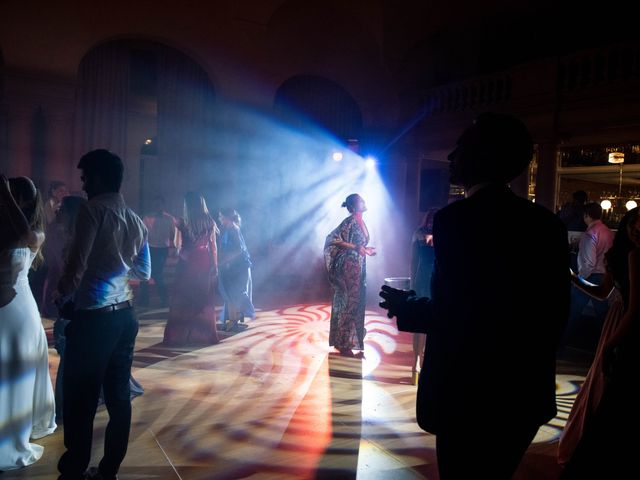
(192, 317)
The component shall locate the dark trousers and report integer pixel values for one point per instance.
(491, 451)
(158, 260)
(579, 301)
(98, 353)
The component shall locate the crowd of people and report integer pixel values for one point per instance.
(93, 248)
(489, 300)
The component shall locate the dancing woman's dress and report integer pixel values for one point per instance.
(234, 282)
(346, 270)
(590, 394)
(192, 315)
(27, 407)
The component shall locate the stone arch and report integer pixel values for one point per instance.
(315, 98)
(132, 91)
(337, 41)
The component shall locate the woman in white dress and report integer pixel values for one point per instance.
(27, 407)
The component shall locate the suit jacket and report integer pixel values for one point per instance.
(500, 302)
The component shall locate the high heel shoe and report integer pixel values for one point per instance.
(231, 325)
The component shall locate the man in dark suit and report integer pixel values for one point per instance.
(500, 302)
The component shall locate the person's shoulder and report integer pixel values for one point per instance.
(542, 219)
(348, 220)
(36, 239)
(131, 213)
(453, 209)
(540, 211)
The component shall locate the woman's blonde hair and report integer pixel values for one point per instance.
(196, 216)
(28, 197)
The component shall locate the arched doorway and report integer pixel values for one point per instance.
(152, 105)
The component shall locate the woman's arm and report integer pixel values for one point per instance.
(213, 252)
(600, 292)
(414, 260)
(631, 314)
(347, 245)
(19, 230)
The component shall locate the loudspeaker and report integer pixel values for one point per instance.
(434, 188)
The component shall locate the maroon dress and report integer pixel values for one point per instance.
(192, 316)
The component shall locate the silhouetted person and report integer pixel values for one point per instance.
(572, 215)
(571, 212)
(500, 300)
(108, 247)
(59, 250)
(57, 191)
(421, 270)
(234, 283)
(162, 242)
(37, 278)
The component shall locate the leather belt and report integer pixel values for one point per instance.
(111, 308)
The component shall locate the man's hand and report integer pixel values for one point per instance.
(65, 305)
(395, 301)
(413, 313)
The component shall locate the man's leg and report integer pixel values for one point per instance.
(600, 307)
(579, 301)
(89, 342)
(117, 394)
(492, 451)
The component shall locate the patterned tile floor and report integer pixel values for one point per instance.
(274, 402)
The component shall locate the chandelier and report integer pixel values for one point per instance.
(615, 206)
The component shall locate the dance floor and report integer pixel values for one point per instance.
(274, 402)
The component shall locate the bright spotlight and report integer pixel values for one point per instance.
(606, 204)
(337, 156)
(631, 204)
(370, 162)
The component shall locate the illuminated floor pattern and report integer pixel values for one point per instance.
(273, 402)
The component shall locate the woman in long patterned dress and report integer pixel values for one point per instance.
(345, 252)
(27, 407)
(192, 316)
(594, 443)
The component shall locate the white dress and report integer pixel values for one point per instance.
(27, 408)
